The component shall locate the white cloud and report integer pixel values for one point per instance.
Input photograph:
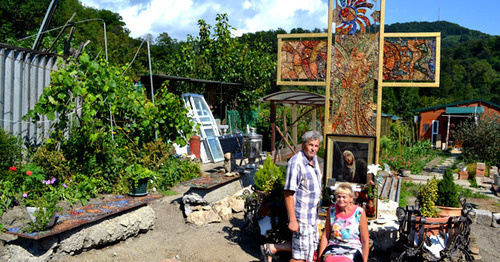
(179, 18)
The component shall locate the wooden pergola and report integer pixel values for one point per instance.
(294, 98)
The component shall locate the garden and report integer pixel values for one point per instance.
(107, 136)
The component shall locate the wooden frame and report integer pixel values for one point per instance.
(280, 45)
(363, 149)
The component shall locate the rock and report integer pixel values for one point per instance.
(106, 231)
(480, 167)
(474, 250)
(227, 162)
(495, 219)
(192, 202)
(203, 217)
(237, 204)
(223, 209)
(463, 175)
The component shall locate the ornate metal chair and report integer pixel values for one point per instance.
(415, 242)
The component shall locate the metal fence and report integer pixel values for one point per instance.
(24, 74)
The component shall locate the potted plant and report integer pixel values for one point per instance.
(447, 201)
(39, 197)
(427, 196)
(138, 177)
(269, 177)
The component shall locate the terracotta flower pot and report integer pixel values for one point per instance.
(433, 229)
(449, 211)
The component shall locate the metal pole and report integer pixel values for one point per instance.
(105, 41)
(46, 19)
(151, 82)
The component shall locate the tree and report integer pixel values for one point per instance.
(215, 55)
(481, 140)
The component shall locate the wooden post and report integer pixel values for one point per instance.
(313, 117)
(294, 127)
(378, 123)
(272, 117)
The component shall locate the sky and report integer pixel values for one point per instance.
(179, 18)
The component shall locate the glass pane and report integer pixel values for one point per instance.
(215, 149)
(201, 107)
(209, 132)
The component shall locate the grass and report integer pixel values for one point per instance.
(467, 193)
(408, 189)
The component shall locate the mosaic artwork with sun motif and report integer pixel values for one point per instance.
(303, 59)
(353, 15)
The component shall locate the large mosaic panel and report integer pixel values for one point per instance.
(353, 15)
(409, 60)
(303, 59)
(355, 62)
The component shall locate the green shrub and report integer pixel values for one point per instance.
(269, 177)
(175, 171)
(481, 140)
(427, 196)
(447, 191)
(11, 152)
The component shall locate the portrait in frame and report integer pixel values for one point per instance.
(347, 157)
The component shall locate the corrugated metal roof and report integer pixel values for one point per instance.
(465, 110)
(457, 103)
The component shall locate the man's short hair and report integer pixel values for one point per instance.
(314, 135)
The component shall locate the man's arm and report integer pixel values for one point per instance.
(293, 225)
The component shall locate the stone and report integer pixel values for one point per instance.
(192, 202)
(200, 218)
(227, 162)
(480, 168)
(223, 210)
(109, 230)
(495, 219)
(463, 175)
(237, 204)
(474, 250)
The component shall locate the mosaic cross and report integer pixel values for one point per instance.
(349, 62)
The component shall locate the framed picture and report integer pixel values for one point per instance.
(347, 157)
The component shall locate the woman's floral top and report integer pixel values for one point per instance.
(345, 229)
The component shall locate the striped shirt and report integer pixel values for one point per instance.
(305, 180)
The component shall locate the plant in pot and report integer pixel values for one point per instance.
(39, 197)
(427, 196)
(448, 202)
(138, 177)
(269, 177)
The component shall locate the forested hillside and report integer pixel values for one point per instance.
(470, 60)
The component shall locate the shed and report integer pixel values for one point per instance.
(438, 123)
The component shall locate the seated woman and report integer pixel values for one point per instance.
(345, 237)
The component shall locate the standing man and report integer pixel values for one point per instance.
(302, 196)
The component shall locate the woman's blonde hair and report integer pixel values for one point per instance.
(344, 188)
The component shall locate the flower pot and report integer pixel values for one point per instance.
(449, 211)
(433, 229)
(141, 189)
(31, 213)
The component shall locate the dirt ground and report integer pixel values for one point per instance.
(174, 240)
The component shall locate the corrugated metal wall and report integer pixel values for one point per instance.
(23, 76)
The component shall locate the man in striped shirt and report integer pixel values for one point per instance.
(302, 196)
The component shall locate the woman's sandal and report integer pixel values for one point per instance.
(265, 250)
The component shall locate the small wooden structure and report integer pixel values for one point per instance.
(294, 98)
